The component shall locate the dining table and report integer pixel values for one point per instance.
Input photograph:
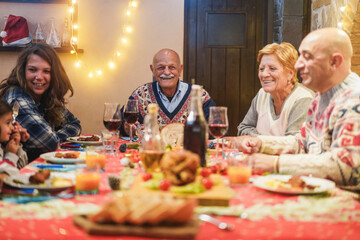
(254, 213)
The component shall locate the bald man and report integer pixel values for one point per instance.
(328, 145)
(171, 94)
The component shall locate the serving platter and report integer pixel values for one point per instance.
(219, 195)
(50, 157)
(184, 231)
(270, 183)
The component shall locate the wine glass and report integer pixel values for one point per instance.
(131, 114)
(218, 124)
(112, 116)
(112, 122)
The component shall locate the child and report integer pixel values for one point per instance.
(12, 156)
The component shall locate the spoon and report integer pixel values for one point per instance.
(15, 110)
(216, 222)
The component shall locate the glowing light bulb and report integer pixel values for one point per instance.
(118, 54)
(111, 65)
(72, 52)
(128, 12)
(91, 75)
(99, 72)
(342, 9)
(74, 40)
(124, 40)
(134, 4)
(340, 24)
(73, 1)
(71, 10)
(128, 29)
(77, 64)
(75, 26)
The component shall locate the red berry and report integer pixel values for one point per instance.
(205, 172)
(164, 184)
(207, 183)
(214, 168)
(146, 176)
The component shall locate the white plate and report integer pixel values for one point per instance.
(75, 140)
(50, 157)
(322, 185)
(24, 178)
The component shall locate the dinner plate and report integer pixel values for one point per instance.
(266, 183)
(50, 157)
(46, 186)
(75, 140)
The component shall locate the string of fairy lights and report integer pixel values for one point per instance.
(111, 64)
(345, 19)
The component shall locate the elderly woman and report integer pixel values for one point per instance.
(39, 83)
(281, 104)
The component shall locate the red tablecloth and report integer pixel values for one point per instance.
(267, 228)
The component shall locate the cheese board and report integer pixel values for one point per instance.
(219, 195)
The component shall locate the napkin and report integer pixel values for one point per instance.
(72, 146)
(135, 138)
(28, 199)
(59, 167)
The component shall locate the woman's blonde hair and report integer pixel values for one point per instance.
(285, 52)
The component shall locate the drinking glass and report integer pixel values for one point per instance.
(131, 114)
(112, 116)
(218, 124)
(112, 122)
(95, 156)
(110, 141)
(239, 169)
(87, 179)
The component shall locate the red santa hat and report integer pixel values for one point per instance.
(16, 32)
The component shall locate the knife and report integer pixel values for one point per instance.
(15, 110)
(49, 166)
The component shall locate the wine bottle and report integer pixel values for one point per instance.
(152, 145)
(195, 126)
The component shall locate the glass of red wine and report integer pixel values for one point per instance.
(218, 124)
(131, 114)
(112, 122)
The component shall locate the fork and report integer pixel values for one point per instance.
(216, 222)
(15, 110)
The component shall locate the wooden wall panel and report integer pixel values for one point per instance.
(228, 73)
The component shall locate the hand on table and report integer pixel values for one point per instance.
(261, 163)
(235, 142)
(250, 145)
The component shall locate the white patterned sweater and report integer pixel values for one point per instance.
(328, 145)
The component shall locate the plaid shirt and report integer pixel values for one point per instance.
(43, 137)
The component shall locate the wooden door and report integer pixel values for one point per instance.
(221, 41)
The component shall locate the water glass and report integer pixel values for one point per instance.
(110, 140)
